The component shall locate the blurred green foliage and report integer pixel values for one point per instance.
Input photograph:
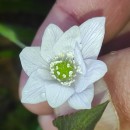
(13, 115)
(11, 34)
(19, 20)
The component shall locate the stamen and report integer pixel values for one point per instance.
(64, 69)
(64, 76)
(68, 65)
(58, 72)
(56, 67)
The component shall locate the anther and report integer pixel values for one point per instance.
(56, 67)
(64, 76)
(58, 72)
(68, 65)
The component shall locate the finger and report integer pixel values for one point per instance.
(45, 122)
(65, 15)
(117, 12)
(118, 81)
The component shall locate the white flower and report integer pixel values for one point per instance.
(65, 67)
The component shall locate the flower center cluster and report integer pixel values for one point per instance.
(64, 69)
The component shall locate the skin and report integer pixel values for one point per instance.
(66, 13)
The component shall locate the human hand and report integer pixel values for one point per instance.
(66, 13)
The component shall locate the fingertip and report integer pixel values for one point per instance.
(39, 108)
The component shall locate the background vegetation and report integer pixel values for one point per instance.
(19, 20)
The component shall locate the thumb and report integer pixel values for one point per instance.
(118, 82)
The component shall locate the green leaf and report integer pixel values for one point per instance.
(16, 34)
(11, 35)
(82, 120)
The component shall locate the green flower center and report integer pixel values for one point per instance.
(63, 69)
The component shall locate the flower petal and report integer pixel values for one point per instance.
(50, 37)
(34, 90)
(79, 59)
(68, 40)
(31, 59)
(96, 69)
(57, 94)
(92, 34)
(80, 83)
(82, 100)
(45, 74)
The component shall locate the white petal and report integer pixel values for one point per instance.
(92, 34)
(96, 69)
(82, 100)
(80, 83)
(50, 37)
(45, 74)
(68, 40)
(79, 59)
(57, 94)
(31, 59)
(34, 90)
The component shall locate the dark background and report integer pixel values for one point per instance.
(22, 17)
